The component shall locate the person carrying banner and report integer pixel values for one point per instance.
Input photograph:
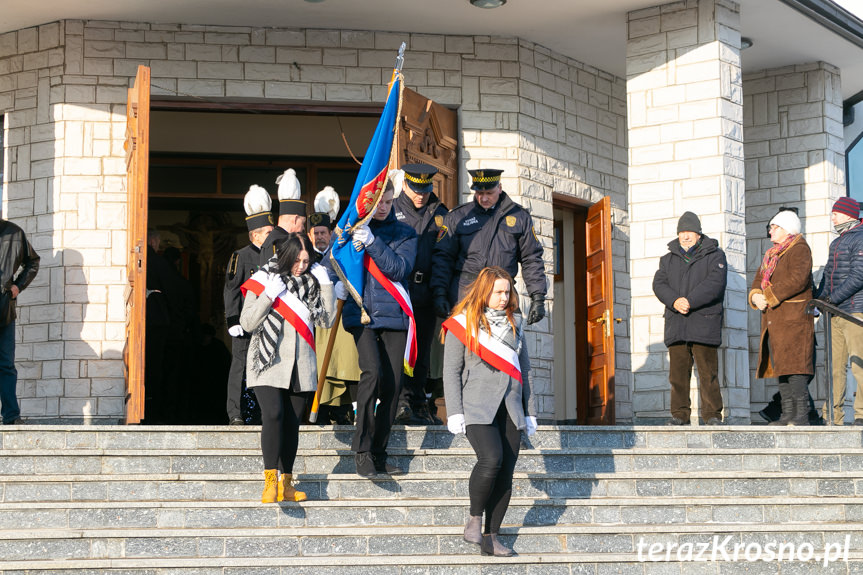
(492, 230)
(243, 263)
(488, 396)
(284, 301)
(292, 214)
(419, 207)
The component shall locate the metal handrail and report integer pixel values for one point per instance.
(829, 310)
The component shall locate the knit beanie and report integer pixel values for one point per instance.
(788, 221)
(847, 206)
(689, 222)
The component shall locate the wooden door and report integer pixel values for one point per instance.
(597, 396)
(428, 134)
(137, 146)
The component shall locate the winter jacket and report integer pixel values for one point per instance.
(787, 345)
(15, 252)
(702, 282)
(474, 238)
(843, 274)
(427, 222)
(394, 251)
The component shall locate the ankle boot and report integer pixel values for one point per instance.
(787, 405)
(270, 492)
(473, 529)
(491, 545)
(287, 491)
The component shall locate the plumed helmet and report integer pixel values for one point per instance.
(258, 204)
(290, 194)
(327, 202)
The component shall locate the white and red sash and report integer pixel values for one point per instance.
(399, 293)
(495, 353)
(287, 305)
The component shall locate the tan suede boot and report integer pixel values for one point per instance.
(287, 491)
(270, 491)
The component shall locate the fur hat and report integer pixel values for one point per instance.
(290, 194)
(788, 221)
(258, 204)
(326, 208)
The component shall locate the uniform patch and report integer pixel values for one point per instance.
(721, 266)
(441, 233)
(510, 221)
(232, 266)
(400, 215)
(438, 220)
(533, 231)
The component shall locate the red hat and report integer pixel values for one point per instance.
(847, 206)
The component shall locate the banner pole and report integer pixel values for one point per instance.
(322, 375)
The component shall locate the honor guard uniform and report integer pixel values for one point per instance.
(292, 213)
(420, 208)
(243, 263)
(322, 221)
(491, 230)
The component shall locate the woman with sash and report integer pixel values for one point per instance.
(488, 396)
(284, 301)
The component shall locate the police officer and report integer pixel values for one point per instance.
(243, 263)
(292, 214)
(420, 208)
(492, 230)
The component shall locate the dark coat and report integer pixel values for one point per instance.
(394, 251)
(268, 248)
(843, 274)
(243, 263)
(426, 222)
(787, 332)
(475, 238)
(702, 282)
(16, 254)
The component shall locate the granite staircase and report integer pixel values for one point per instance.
(586, 500)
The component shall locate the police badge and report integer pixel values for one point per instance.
(438, 220)
(510, 221)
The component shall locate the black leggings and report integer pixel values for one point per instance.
(280, 427)
(496, 446)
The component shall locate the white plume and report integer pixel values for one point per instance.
(289, 185)
(396, 180)
(327, 202)
(257, 200)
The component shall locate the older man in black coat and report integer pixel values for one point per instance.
(691, 283)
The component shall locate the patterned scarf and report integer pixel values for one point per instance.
(845, 226)
(501, 329)
(771, 258)
(690, 253)
(264, 339)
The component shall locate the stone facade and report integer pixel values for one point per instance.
(795, 157)
(552, 123)
(685, 154)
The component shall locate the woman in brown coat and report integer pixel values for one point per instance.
(781, 290)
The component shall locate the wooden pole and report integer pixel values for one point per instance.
(322, 374)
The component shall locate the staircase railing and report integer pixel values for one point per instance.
(829, 310)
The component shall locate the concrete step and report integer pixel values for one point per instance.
(429, 541)
(438, 485)
(576, 513)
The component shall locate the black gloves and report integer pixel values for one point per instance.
(825, 298)
(441, 306)
(537, 309)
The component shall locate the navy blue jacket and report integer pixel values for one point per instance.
(394, 251)
(843, 274)
(427, 222)
(702, 282)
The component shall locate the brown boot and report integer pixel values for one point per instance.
(270, 491)
(287, 491)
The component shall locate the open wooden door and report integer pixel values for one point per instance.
(137, 146)
(428, 134)
(597, 393)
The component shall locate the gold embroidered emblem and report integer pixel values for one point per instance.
(441, 233)
(510, 221)
(438, 220)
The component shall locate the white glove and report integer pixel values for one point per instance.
(364, 234)
(530, 425)
(760, 301)
(275, 287)
(320, 273)
(455, 423)
(235, 330)
(341, 291)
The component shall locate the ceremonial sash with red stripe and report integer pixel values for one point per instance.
(495, 353)
(287, 305)
(399, 293)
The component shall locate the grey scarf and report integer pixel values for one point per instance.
(501, 329)
(844, 227)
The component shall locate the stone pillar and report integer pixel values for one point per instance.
(795, 157)
(685, 153)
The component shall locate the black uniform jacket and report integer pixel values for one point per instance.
(243, 263)
(427, 222)
(475, 238)
(268, 248)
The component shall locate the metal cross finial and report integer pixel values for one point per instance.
(400, 60)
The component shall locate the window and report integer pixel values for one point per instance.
(854, 169)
